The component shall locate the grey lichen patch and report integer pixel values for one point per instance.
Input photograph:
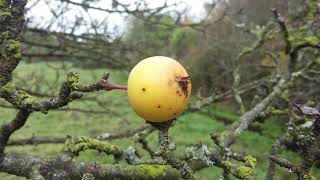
(76, 145)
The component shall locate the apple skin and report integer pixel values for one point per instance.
(154, 91)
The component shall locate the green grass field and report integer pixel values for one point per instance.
(189, 128)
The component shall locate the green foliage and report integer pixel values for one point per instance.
(151, 37)
(182, 39)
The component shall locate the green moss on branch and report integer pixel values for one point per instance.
(76, 145)
(241, 171)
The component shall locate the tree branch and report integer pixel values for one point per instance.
(9, 128)
(104, 137)
(22, 164)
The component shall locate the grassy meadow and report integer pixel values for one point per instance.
(118, 117)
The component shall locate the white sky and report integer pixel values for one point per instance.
(41, 12)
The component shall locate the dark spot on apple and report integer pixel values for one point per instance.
(159, 106)
(183, 83)
(177, 92)
(144, 89)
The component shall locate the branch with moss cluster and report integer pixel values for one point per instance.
(165, 150)
(26, 165)
(78, 144)
(240, 171)
(69, 91)
(201, 156)
(11, 25)
(306, 138)
(141, 137)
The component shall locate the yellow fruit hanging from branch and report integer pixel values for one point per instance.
(159, 89)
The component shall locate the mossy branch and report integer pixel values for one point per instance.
(11, 24)
(23, 164)
(166, 153)
(79, 144)
(240, 171)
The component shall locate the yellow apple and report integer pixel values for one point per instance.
(158, 89)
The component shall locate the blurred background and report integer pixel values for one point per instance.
(96, 36)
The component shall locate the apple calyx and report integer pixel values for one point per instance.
(183, 83)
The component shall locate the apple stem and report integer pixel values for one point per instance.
(108, 86)
(111, 86)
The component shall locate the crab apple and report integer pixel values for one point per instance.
(159, 89)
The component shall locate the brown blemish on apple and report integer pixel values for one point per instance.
(143, 89)
(159, 106)
(183, 83)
